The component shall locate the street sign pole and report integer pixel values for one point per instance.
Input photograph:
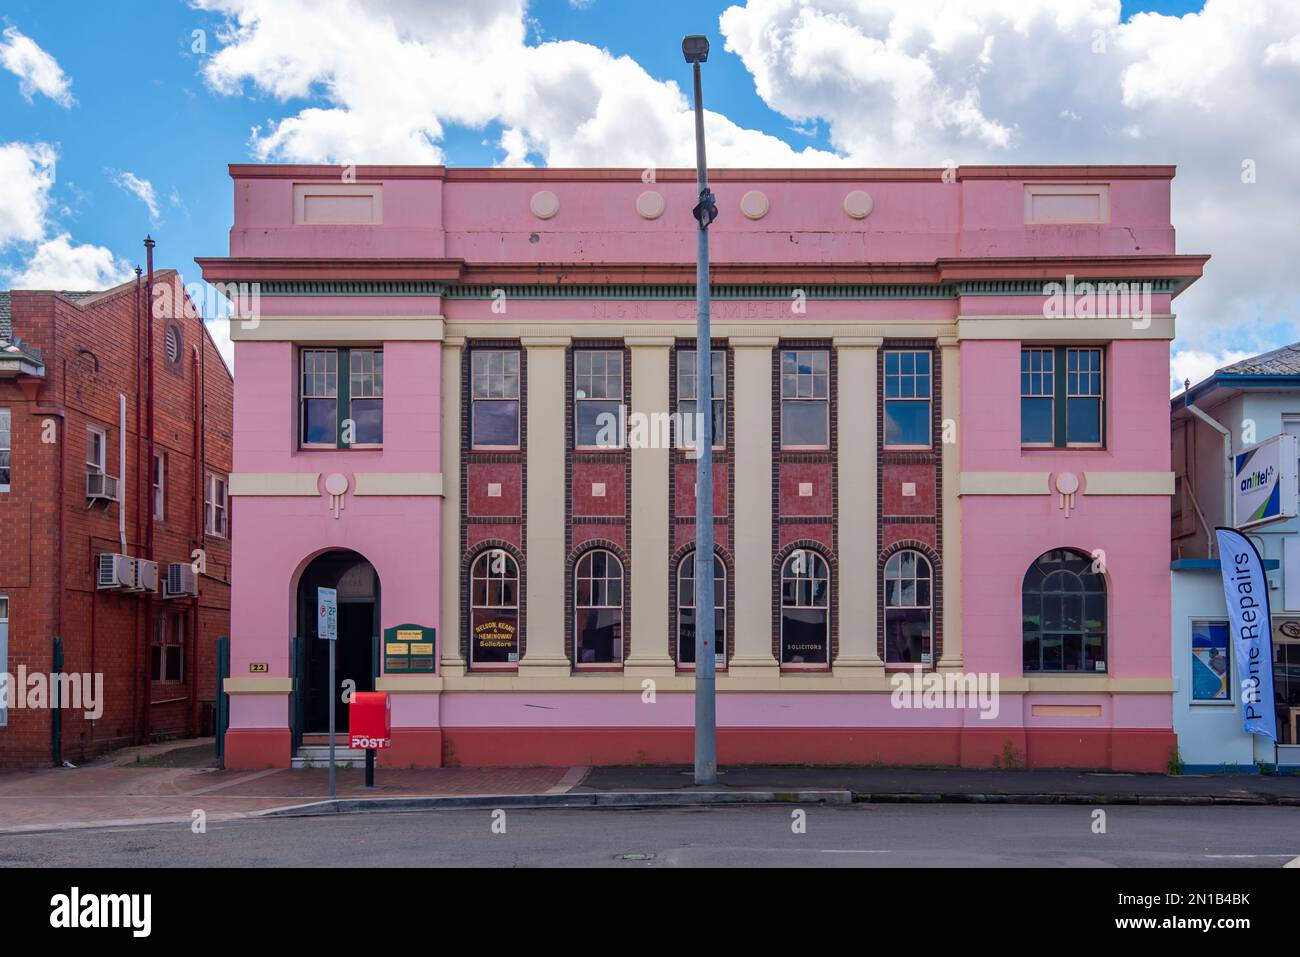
(327, 629)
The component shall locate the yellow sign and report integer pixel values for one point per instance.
(422, 648)
(398, 648)
(258, 667)
(409, 634)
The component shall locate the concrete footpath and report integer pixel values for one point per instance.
(152, 787)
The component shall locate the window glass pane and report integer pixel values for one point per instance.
(496, 422)
(907, 635)
(1083, 420)
(318, 421)
(599, 637)
(494, 636)
(907, 423)
(596, 424)
(368, 414)
(1036, 421)
(804, 423)
(805, 636)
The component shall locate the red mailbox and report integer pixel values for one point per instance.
(370, 724)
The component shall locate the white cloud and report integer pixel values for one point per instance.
(393, 73)
(26, 177)
(142, 189)
(54, 261)
(37, 71)
(219, 329)
(59, 263)
(1196, 365)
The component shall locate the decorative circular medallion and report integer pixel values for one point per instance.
(544, 204)
(1067, 483)
(754, 204)
(859, 204)
(336, 483)
(650, 204)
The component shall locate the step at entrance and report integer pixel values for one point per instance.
(318, 756)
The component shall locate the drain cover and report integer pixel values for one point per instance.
(633, 857)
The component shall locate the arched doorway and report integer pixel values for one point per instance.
(358, 626)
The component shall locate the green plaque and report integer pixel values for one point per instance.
(410, 650)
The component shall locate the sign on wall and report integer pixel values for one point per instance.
(327, 614)
(1264, 488)
(409, 650)
(1245, 589)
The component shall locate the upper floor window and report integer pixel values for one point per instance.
(1062, 396)
(805, 399)
(216, 513)
(909, 609)
(6, 449)
(494, 397)
(597, 397)
(598, 609)
(342, 398)
(686, 617)
(96, 445)
(907, 398)
(1064, 602)
(160, 486)
(805, 610)
(687, 395)
(494, 610)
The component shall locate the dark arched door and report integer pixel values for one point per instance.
(357, 585)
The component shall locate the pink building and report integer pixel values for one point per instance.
(942, 470)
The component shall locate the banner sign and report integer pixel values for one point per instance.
(327, 614)
(1245, 589)
(1264, 487)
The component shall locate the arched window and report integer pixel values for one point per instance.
(598, 609)
(805, 610)
(686, 611)
(1064, 614)
(909, 609)
(494, 610)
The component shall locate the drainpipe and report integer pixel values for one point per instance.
(141, 632)
(1227, 456)
(148, 457)
(193, 651)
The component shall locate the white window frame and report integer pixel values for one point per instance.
(605, 376)
(481, 570)
(492, 378)
(158, 485)
(212, 506)
(165, 621)
(96, 466)
(819, 563)
(811, 381)
(895, 563)
(619, 606)
(686, 601)
(7, 444)
(888, 400)
(688, 372)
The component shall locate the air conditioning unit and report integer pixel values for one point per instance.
(101, 487)
(146, 575)
(181, 581)
(115, 572)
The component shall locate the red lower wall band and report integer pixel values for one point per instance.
(1114, 749)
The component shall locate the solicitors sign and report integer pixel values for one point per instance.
(1264, 488)
(1245, 589)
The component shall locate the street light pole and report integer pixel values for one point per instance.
(696, 51)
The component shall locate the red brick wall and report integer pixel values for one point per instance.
(90, 351)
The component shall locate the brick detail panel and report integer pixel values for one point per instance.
(685, 535)
(795, 477)
(821, 533)
(606, 532)
(585, 503)
(479, 532)
(684, 490)
(895, 532)
(893, 477)
(509, 476)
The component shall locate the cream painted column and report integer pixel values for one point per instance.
(545, 523)
(452, 664)
(650, 490)
(858, 525)
(752, 534)
(950, 435)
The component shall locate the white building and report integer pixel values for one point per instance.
(1238, 407)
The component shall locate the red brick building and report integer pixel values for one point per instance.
(78, 482)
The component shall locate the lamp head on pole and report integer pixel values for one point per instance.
(695, 48)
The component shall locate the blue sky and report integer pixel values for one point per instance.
(146, 105)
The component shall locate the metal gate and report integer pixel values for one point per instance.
(221, 718)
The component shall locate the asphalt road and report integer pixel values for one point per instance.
(757, 836)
